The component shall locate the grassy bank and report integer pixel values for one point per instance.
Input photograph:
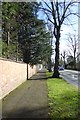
(63, 99)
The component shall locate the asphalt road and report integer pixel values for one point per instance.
(71, 76)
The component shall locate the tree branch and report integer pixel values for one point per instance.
(58, 15)
(53, 14)
(45, 9)
(65, 9)
(47, 5)
(71, 14)
(50, 21)
(69, 22)
(48, 17)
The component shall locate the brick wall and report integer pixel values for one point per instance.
(13, 74)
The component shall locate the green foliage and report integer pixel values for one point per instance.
(33, 38)
(0, 48)
(24, 35)
(9, 26)
(63, 99)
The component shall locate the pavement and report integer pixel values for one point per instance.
(29, 100)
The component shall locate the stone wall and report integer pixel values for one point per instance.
(12, 74)
(31, 70)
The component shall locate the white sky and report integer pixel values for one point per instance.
(66, 30)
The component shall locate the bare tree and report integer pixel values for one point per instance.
(64, 56)
(73, 47)
(57, 12)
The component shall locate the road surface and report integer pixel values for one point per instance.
(71, 76)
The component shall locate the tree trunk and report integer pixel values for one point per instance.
(17, 49)
(64, 59)
(49, 64)
(74, 61)
(27, 72)
(56, 71)
(8, 39)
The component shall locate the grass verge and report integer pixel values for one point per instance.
(63, 99)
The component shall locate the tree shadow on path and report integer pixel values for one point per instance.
(28, 114)
(41, 75)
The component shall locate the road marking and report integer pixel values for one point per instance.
(75, 76)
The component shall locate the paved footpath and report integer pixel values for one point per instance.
(29, 100)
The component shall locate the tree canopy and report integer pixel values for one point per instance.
(24, 35)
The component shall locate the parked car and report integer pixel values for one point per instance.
(52, 69)
(61, 68)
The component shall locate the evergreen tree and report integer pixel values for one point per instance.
(9, 26)
(24, 35)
